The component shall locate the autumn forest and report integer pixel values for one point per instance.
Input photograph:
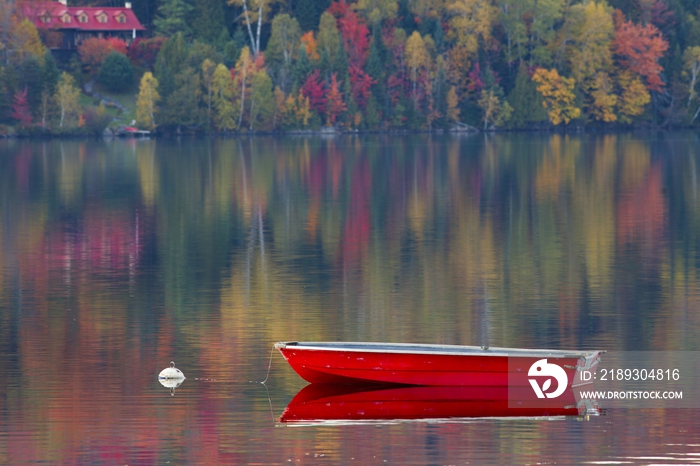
(290, 65)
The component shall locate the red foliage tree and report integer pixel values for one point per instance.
(313, 88)
(334, 101)
(143, 52)
(395, 88)
(93, 51)
(20, 109)
(475, 84)
(662, 17)
(639, 49)
(360, 84)
(354, 31)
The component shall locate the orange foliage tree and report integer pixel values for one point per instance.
(310, 43)
(93, 51)
(639, 49)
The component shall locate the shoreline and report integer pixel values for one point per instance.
(111, 133)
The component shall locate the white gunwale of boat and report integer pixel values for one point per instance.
(447, 420)
(421, 348)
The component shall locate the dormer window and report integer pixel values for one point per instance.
(120, 17)
(65, 18)
(82, 17)
(101, 17)
(45, 18)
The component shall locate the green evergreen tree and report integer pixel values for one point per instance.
(350, 103)
(526, 101)
(240, 39)
(302, 67)
(414, 117)
(438, 35)
(372, 119)
(183, 105)
(324, 64)
(116, 73)
(230, 54)
(75, 69)
(328, 43)
(440, 90)
(675, 62)
(308, 13)
(169, 62)
(173, 18)
(377, 59)
(198, 52)
(145, 11)
(50, 73)
(227, 48)
(262, 102)
(5, 93)
(31, 79)
(340, 65)
(281, 48)
(379, 63)
(209, 20)
(407, 18)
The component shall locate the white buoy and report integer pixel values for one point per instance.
(171, 373)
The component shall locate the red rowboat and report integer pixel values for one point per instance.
(435, 365)
(319, 403)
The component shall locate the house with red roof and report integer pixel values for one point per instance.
(65, 27)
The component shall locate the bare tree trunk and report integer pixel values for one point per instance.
(253, 111)
(44, 106)
(245, 72)
(694, 76)
(150, 106)
(696, 115)
(250, 30)
(257, 45)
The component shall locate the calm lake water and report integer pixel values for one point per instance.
(117, 257)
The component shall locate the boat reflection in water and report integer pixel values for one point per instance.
(337, 404)
(171, 384)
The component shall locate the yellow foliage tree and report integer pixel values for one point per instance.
(208, 68)
(459, 64)
(297, 111)
(280, 99)
(417, 59)
(691, 65)
(592, 32)
(146, 102)
(25, 41)
(472, 22)
(223, 89)
(633, 98)
(244, 72)
(67, 94)
(328, 39)
(603, 98)
(452, 105)
(495, 112)
(558, 95)
(377, 10)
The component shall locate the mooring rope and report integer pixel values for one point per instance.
(269, 400)
(269, 366)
